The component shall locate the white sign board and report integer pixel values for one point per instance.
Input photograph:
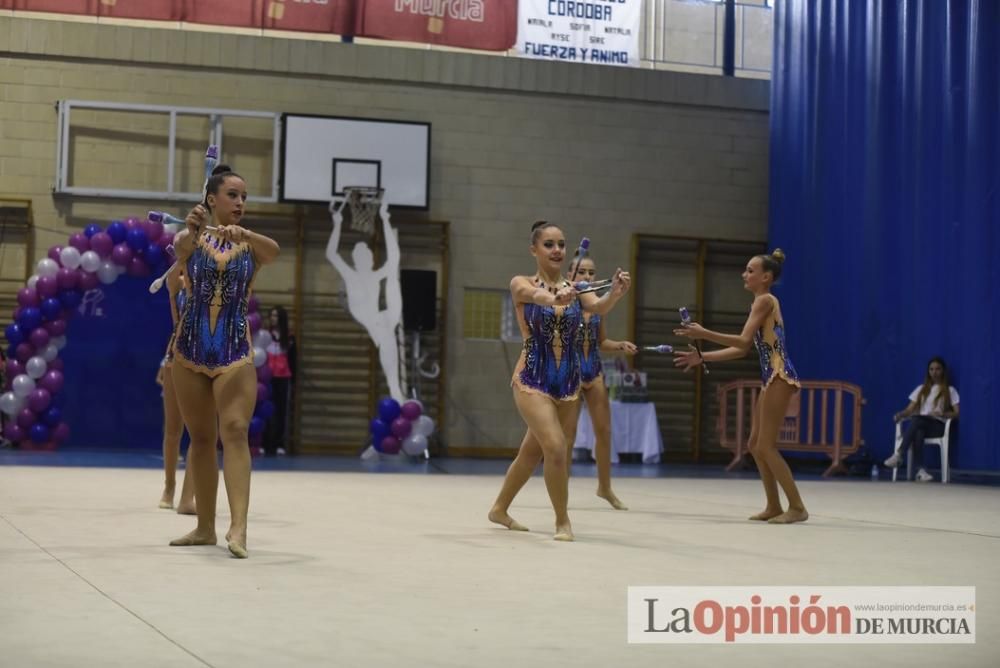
(593, 31)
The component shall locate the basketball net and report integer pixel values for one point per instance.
(363, 204)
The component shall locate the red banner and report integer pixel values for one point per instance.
(472, 24)
(328, 16)
(233, 13)
(60, 6)
(154, 10)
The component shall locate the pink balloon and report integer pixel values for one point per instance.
(54, 253)
(52, 380)
(40, 338)
(138, 267)
(47, 286)
(24, 352)
(102, 244)
(410, 410)
(390, 445)
(80, 242)
(67, 279)
(14, 433)
(121, 254)
(401, 428)
(56, 327)
(166, 240)
(60, 433)
(87, 280)
(39, 400)
(26, 418)
(253, 305)
(154, 230)
(131, 223)
(27, 297)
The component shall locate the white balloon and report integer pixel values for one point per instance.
(10, 403)
(90, 261)
(33, 281)
(23, 385)
(259, 357)
(262, 339)
(107, 272)
(415, 444)
(69, 257)
(59, 342)
(121, 269)
(424, 426)
(47, 267)
(36, 367)
(50, 352)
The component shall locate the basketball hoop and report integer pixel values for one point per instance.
(363, 202)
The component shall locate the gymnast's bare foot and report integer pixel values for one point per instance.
(501, 517)
(196, 537)
(564, 532)
(236, 541)
(767, 514)
(167, 500)
(790, 516)
(610, 497)
(186, 507)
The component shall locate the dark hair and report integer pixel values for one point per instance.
(538, 228)
(773, 262)
(944, 395)
(577, 259)
(221, 172)
(282, 326)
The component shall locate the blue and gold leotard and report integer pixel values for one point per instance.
(213, 334)
(589, 347)
(770, 343)
(549, 363)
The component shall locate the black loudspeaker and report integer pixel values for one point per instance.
(419, 299)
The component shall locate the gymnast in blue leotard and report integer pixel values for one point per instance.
(546, 380)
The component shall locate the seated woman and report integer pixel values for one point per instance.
(930, 404)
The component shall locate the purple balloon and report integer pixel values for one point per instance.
(263, 391)
(256, 426)
(56, 327)
(52, 380)
(80, 242)
(131, 223)
(24, 352)
(253, 305)
(39, 338)
(154, 230)
(411, 410)
(55, 365)
(54, 253)
(14, 432)
(390, 445)
(102, 244)
(138, 267)
(27, 297)
(39, 433)
(88, 281)
(47, 286)
(254, 321)
(166, 240)
(60, 433)
(264, 374)
(13, 369)
(401, 428)
(67, 279)
(39, 400)
(26, 418)
(121, 255)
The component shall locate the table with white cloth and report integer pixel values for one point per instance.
(633, 429)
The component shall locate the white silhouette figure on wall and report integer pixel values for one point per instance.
(363, 286)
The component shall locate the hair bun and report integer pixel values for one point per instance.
(539, 223)
(778, 255)
(221, 168)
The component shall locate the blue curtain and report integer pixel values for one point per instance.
(885, 193)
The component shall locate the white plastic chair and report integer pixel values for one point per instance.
(941, 441)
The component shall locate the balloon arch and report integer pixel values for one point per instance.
(49, 300)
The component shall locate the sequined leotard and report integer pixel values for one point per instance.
(549, 363)
(177, 299)
(213, 334)
(770, 343)
(589, 347)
